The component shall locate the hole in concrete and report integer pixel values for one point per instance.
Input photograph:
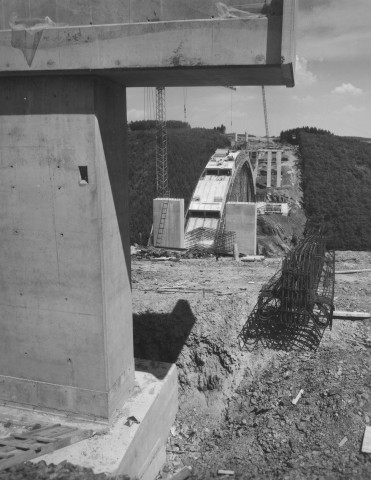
(69, 360)
(11, 166)
(25, 353)
(83, 175)
(59, 188)
(58, 166)
(61, 234)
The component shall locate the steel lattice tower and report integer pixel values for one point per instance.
(161, 144)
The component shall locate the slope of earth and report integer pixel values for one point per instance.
(278, 233)
(235, 406)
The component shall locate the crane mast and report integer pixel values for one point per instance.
(161, 144)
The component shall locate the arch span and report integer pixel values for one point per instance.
(228, 176)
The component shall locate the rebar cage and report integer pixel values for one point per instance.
(296, 306)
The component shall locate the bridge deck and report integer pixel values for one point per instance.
(214, 51)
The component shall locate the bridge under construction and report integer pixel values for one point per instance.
(224, 205)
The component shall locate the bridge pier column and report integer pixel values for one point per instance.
(269, 169)
(278, 163)
(66, 338)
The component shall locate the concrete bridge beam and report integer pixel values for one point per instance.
(206, 51)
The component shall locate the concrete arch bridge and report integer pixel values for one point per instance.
(223, 204)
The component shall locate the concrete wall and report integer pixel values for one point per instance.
(241, 218)
(65, 307)
(172, 235)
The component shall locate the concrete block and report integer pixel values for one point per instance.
(65, 298)
(241, 217)
(168, 222)
(137, 450)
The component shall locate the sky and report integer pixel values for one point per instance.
(332, 81)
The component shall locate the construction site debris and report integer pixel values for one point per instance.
(235, 252)
(366, 444)
(297, 398)
(340, 272)
(225, 472)
(130, 420)
(62, 471)
(182, 474)
(191, 289)
(252, 258)
(355, 315)
(343, 441)
(19, 448)
(133, 250)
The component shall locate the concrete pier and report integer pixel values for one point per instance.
(269, 168)
(65, 307)
(168, 222)
(241, 217)
(278, 166)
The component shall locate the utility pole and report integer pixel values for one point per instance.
(161, 144)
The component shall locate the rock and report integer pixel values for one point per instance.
(270, 423)
(301, 426)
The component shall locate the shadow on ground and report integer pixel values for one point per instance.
(161, 336)
(298, 331)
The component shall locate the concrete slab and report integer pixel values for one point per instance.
(137, 450)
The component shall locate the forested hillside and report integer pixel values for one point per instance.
(336, 183)
(189, 150)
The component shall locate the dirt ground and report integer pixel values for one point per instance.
(235, 406)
